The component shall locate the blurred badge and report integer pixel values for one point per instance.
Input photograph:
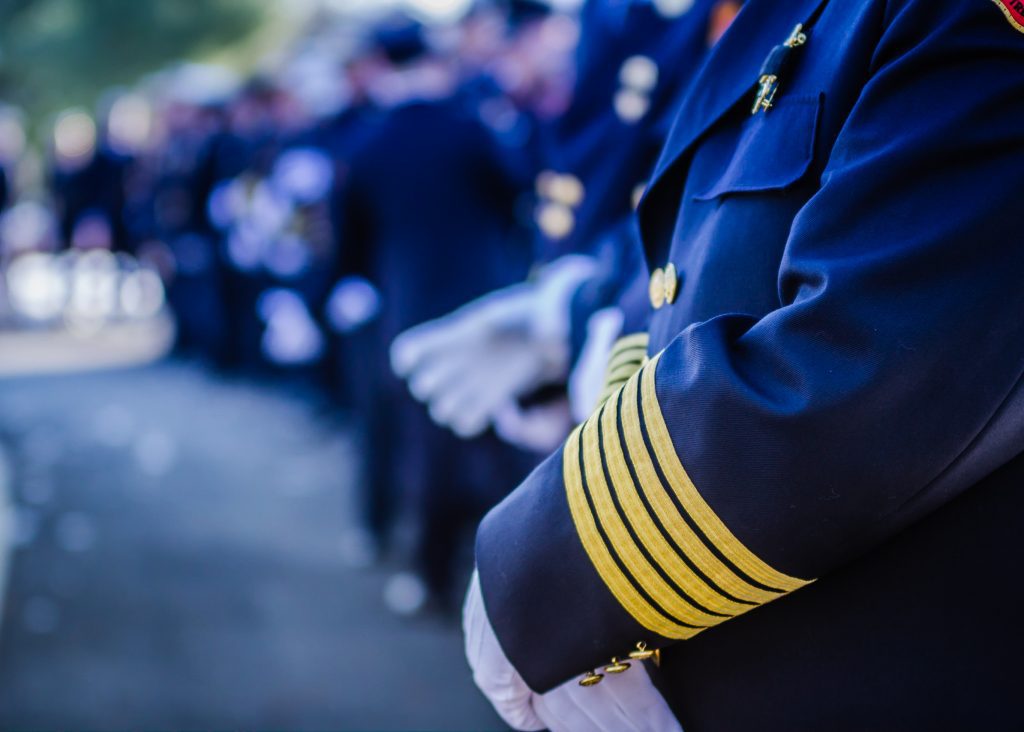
(722, 16)
(1014, 12)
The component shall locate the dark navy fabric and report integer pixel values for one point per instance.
(5, 189)
(96, 188)
(429, 216)
(843, 361)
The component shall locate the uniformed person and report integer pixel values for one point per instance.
(633, 61)
(88, 184)
(428, 218)
(807, 496)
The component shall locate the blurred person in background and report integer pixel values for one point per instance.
(12, 149)
(179, 236)
(88, 176)
(430, 219)
(240, 156)
(558, 328)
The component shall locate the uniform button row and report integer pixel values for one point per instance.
(664, 286)
(617, 666)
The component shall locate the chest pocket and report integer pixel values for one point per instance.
(775, 149)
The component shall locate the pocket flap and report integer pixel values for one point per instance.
(775, 150)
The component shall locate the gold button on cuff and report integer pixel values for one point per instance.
(656, 289)
(616, 667)
(591, 678)
(671, 278)
(642, 652)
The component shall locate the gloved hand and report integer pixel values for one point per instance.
(625, 702)
(469, 365)
(540, 429)
(492, 671)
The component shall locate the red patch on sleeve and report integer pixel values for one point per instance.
(1014, 12)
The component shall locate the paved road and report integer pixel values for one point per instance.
(178, 565)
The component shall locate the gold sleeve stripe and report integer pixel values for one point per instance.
(632, 346)
(617, 582)
(634, 358)
(623, 544)
(636, 340)
(690, 498)
(609, 389)
(619, 350)
(621, 373)
(644, 526)
(675, 526)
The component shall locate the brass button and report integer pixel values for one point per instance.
(616, 666)
(631, 105)
(555, 220)
(671, 277)
(567, 190)
(591, 678)
(640, 73)
(657, 288)
(642, 652)
(638, 193)
(545, 182)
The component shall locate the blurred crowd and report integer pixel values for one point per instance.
(422, 224)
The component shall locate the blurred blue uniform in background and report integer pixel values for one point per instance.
(428, 216)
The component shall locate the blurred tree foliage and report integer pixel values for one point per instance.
(57, 53)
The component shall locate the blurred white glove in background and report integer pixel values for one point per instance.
(492, 672)
(541, 428)
(467, 366)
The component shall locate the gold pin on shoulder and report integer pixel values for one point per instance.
(591, 678)
(774, 68)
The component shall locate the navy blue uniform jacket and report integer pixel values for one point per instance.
(428, 213)
(824, 437)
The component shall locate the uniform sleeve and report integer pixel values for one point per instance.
(753, 455)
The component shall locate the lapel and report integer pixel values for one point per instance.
(729, 74)
(730, 71)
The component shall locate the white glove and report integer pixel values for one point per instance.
(508, 309)
(626, 702)
(486, 380)
(469, 365)
(492, 671)
(541, 429)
